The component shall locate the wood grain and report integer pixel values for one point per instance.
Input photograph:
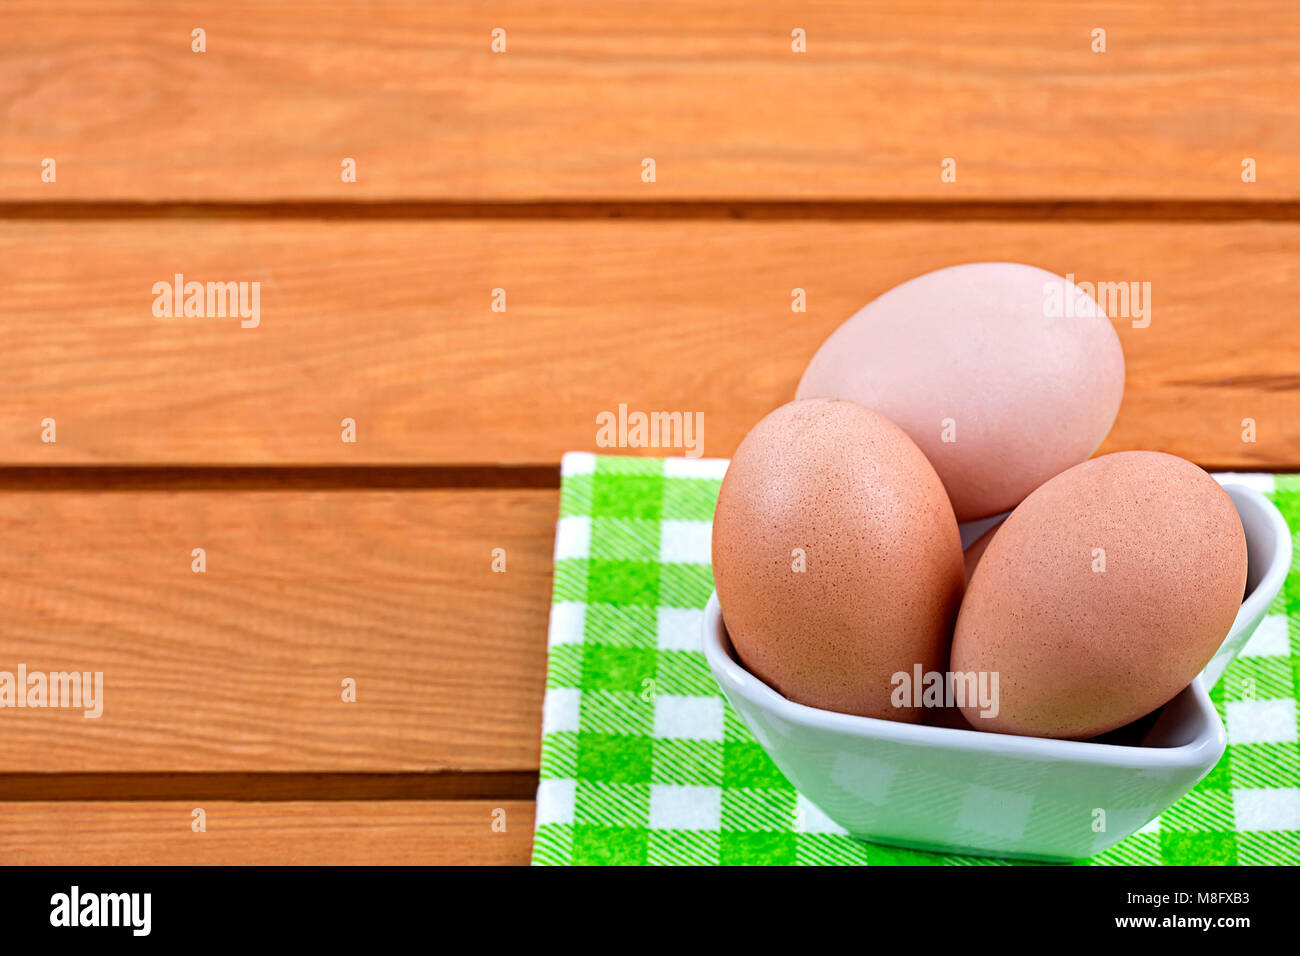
(390, 323)
(240, 668)
(406, 833)
(711, 91)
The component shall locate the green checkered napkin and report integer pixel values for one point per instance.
(644, 762)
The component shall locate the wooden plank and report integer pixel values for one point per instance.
(712, 92)
(406, 833)
(390, 323)
(241, 668)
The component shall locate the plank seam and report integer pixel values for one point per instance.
(108, 478)
(1026, 210)
(274, 787)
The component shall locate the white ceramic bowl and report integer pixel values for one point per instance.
(970, 792)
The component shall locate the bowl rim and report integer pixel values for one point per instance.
(1260, 599)
(1209, 741)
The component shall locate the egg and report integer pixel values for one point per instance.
(1003, 374)
(1101, 596)
(836, 557)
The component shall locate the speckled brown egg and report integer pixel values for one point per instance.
(1004, 374)
(836, 557)
(1102, 595)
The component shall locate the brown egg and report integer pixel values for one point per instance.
(1002, 373)
(836, 557)
(1102, 596)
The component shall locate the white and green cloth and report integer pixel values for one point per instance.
(644, 762)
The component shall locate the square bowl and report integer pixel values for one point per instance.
(985, 794)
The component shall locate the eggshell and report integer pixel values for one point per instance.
(1102, 596)
(841, 490)
(997, 391)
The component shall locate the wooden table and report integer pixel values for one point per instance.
(523, 171)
